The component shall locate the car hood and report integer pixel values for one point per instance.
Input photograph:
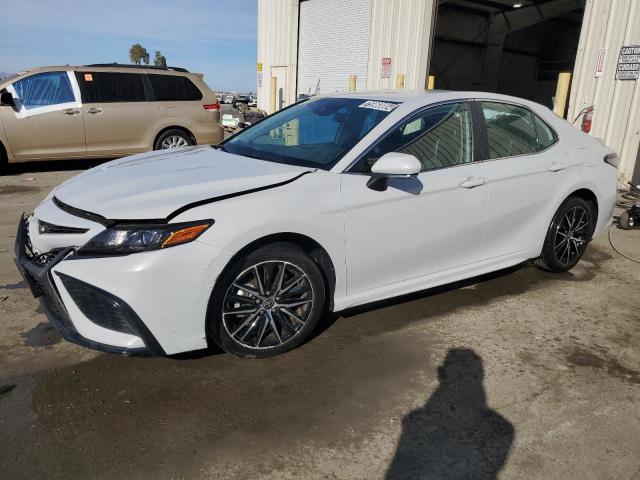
(156, 185)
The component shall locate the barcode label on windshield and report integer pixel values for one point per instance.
(376, 105)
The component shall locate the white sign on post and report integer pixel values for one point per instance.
(600, 63)
(386, 68)
(628, 63)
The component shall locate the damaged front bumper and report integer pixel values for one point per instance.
(99, 306)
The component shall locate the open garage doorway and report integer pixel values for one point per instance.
(507, 46)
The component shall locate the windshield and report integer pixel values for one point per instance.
(315, 133)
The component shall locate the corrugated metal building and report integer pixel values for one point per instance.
(308, 47)
(608, 26)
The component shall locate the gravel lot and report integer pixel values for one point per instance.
(519, 374)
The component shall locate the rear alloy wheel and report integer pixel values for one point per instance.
(568, 235)
(268, 303)
(173, 139)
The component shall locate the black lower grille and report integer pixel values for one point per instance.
(101, 307)
(108, 311)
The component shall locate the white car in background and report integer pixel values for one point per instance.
(331, 203)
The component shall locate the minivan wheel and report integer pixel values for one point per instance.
(267, 302)
(568, 235)
(172, 139)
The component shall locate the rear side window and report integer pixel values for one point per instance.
(110, 87)
(546, 135)
(510, 129)
(44, 89)
(168, 88)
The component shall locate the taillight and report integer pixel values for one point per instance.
(612, 159)
(586, 120)
(211, 107)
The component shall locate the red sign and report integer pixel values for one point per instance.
(386, 68)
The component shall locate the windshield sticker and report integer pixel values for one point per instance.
(377, 105)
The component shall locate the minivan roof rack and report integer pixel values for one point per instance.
(125, 65)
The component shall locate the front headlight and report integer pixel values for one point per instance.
(125, 238)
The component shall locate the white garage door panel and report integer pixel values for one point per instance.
(333, 44)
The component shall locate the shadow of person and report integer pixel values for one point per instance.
(455, 435)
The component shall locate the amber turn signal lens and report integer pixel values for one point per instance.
(185, 235)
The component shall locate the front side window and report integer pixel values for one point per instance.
(110, 87)
(510, 129)
(44, 90)
(173, 88)
(315, 133)
(439, 137)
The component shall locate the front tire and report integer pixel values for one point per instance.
(172, 139)
(568, 235)
(266, 303)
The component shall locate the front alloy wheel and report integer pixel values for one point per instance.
(267, 303)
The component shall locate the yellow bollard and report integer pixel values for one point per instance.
(353, 80)
(274, 91)
(431, 82)
(400, 81)
(562, 93)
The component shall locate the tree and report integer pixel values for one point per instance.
(138, 54)
(159, 60)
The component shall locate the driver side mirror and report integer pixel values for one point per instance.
(6, 99)
(393, 165)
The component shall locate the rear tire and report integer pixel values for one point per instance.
(568, 235)
(173, 138)
(278, 293)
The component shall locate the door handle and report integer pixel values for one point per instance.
(71, 111)
(94, 110)
(557, 167)
(473, 182)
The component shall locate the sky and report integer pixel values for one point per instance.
(214, 37)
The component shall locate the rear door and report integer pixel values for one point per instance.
(523, 169)
(118, 118)
(47, 119)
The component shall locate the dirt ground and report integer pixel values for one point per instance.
(519, 374)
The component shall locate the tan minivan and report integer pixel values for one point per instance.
(104, 111)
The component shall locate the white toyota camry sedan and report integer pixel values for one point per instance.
(333, 202)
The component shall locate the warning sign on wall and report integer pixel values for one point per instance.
(386, 68)
(628, 63)
(259, 74)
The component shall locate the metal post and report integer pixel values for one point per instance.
(400, 81)
(274, 92)
(353, 80)
(431, 82)
(562, 93)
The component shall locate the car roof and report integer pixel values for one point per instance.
(416, 98)
(103, 68)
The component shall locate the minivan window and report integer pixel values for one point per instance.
(439, 137)
(44, 89)
(110, 87)
(314, 133)
(173, 88)
(510, 130)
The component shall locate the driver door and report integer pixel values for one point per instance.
(423, 225)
